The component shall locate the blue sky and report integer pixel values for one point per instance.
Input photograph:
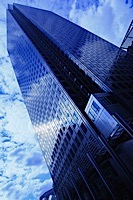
(23, 172)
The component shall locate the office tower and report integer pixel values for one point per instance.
(78, 90)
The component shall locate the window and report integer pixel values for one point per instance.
(68, 136)
(77, 141)
(61, 132)
(83, 127)
(75, 116)
(71, 153)
(59, 137)
(54, 85)
(95, 107)
(92, 115)
(65, 142)
(70, 129)
(80, 135)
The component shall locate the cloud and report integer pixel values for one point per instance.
(18, 175)
(110, 19)
(35, 160)
(7, 78)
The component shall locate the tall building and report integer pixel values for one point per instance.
(78, 90)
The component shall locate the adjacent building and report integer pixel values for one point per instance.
(78, 90)
(48, 195)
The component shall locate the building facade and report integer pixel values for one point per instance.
(78, 90)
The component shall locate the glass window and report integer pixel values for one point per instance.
(74, 148)
(77, 141)
(80, 135)
(71, 153)
(70, 129)
(83, 127)
(92, 115)
(68, 136)
(75, 116)
(95, 107)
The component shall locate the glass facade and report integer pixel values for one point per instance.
(62, 72)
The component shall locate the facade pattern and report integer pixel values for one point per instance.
(78, 94)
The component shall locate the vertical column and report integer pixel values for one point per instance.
(87, 183)
(91, 159)
(68, 193)
(75, 187)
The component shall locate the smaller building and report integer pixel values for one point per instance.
(49, 195)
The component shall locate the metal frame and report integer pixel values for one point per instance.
(127, 35)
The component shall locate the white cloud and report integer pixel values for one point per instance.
(7, 77)
(110, 20)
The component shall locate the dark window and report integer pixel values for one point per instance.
(63, 147)
(70, 129)
(58, 142)
(62, 150)
(65, 142)
(74, 148)
(92, 115)
(59, 137)
(80, 135)
(83, 127)
(68, 136)
(52, 157)
(74, 126)
(95, 107)
(61, 132)
(72, 154)
(69, 157)
(77, 141)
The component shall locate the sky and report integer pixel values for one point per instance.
(23, 172)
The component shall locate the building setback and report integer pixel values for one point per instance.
(78, 90)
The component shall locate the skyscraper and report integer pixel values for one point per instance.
(78, 90)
